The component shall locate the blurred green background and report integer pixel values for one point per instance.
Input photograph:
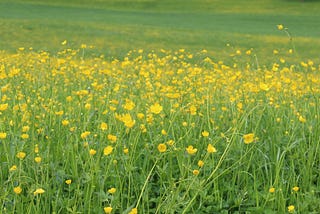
(114, 27)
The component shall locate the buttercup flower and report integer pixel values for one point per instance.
(248, 138)
(107, 150)
(162, 147)
(190, 150)
(107, 210)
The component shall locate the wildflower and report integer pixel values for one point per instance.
(140, 116)
(156, 108)
(85, 134)
(193, 110)
(92, 152)
(200, 163)
(65, 122)
(248, 138)
(37, 159)
(211, 149)
(21, 155)
(191, 150)
(17, 190)
(129, 105)
(134, 211)
(103, 126)
(184, 124)
(302, 119)
(59, 113)
(272, 190)
(295, 189)
(125, 150)
(170, 142)
(112, 190)
(291, 209)
(112, 138)
(25, 128)
(128, 121)
(3, 135)
(107, 210)
(280, 27)
(38, 191)
(162, 147)
(64, 42)
(24, 136)
(3, 107)
(107, 150)
(87, 106)
(195, 172)
(205, 134)
(163, 132)
(13, 168)
(69, 181)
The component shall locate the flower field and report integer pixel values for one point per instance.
(166, 131)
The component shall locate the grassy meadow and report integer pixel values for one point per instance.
(148, 106)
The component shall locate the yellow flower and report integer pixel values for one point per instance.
(64, 42)
(13, 168)
(302, 119)
(107, 210)
(291, 209)
(248, 138)
(25, 128)
(85, 134)
(3, 135)
(69, 181)
(205, 134)
(21, 155)
(87, 106)
(103, 126)
(211, 149)
(280, 27)
(129, 105)
(296, 189)
(38, 191)
(195, 172)
(112, 190)
(193, 110)
(170, 142)
(140, 116)
(134, 211)
(162, 147)
(125, 150)
(191, 150)
(17, 190)
(59, 113)
(156, 108)
(200, 163)
(163, 132)
(65, 122)
(24, 136)
(128, 121)
(112, 138)
(107, 150)
(92, 152)
(3, 106)
(37, 159)
(272, 190)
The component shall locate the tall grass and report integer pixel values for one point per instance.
(157, 132)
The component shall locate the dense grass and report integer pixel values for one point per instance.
(74, 127)
(115, 27)
(159, 106)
